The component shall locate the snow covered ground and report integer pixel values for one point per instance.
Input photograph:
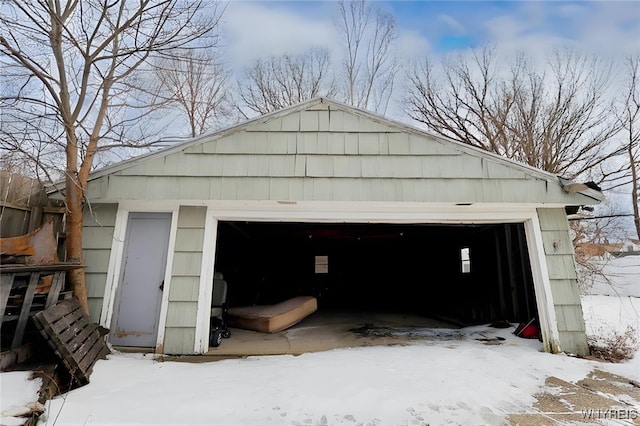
(454, 381)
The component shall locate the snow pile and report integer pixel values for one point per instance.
(468, 376)
(19, 396)
(611, 306)
(463, 382)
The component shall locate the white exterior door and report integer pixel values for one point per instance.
(139, 293)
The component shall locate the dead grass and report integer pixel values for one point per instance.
(618, 347)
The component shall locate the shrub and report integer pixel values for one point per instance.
(615, 348)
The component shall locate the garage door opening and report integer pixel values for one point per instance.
(463, 274)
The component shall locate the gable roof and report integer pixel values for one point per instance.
(345, 120)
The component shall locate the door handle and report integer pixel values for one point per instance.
(162, 286)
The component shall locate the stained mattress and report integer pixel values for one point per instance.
(272, 318)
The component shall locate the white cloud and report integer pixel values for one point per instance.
(607, 29)
(452, 24)
(254, 30)
(412, 44)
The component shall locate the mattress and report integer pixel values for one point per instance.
(272, 318)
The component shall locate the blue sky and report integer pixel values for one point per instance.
(256, 28)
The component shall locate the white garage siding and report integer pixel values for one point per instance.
(343, 161)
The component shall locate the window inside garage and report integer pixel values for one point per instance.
(465, 274)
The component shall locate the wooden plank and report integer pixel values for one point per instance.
(87, 362)
(6, 282)
(26, 310)
(73, 337)
(58, 311)
(25, 269)
(74, 331)
(57, 284)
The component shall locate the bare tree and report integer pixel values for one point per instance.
(370, 66)
(558, 119)
(196, 83)
(630, 120)
(71, 62)
(279, 81)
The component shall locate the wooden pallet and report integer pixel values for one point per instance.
(77, 341)
(19, 296)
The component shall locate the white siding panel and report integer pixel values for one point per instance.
(191, 217)
(181, 314)
(323, 120)
(351, 143)
(347, 166)
(277, 143)
(370, 166)
(322, 143)
(252, 189)
(292, 142)
(95, 309)
(309, 121)
(229, 189)
(319, 166)
(553, 219)
(280, 165)
(97, 237)
(97, 188)
(194, 149)
(300, 165)
(336, 121)
(368, 144)
(279, 189)
(402, 166)
(322, 189)
(152, 166)
(291, 123)
(179, 340)
(565, 292)
(420, 145)
(184, 289)
(189, 239)
(187, 263)
(96, 260)
(495, 170)
(295, 188)
(263, 166)
(273, 124)
(307, 143)
(343, 192)
(215, 191)
(573, 342)
(238, 143)
(96, 283)
(172, 164)
(193, 188)
(556, 243)
(561, 267)
(335, 143)
(572, 318)
(234, 166)
(399, 144)
(352, 123)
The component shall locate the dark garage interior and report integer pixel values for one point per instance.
(464, 274)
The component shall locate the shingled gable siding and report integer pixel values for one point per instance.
(564, 281)
(181, 320)
(327, 156)
(97, 240)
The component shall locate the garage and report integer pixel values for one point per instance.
(462, 274)
(365, 214)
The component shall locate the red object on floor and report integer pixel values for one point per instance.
(527, 331)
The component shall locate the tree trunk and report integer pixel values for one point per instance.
(635, 191)
(74, 201)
